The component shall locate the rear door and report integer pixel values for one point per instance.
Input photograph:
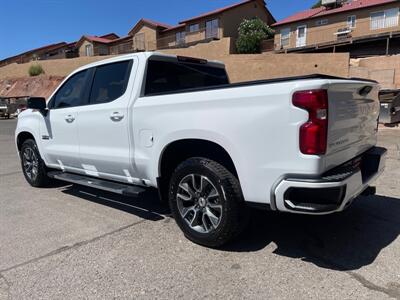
(58, 128)
(103, 128)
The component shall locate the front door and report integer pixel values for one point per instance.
(301, 36)
(103, 128)
(58, 129)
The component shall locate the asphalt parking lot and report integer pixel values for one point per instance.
(68, 242)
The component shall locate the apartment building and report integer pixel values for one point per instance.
(361, 27)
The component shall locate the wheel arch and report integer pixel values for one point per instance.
(22, 137)
(180, 150)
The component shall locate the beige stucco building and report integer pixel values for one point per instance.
(340, 24)
(213, 25)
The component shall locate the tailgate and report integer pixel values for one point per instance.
(353, 119)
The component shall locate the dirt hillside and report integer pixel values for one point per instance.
(40, 86)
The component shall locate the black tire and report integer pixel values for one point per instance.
(40, 179)
(234, 215)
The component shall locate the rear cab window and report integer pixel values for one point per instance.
(167, 75)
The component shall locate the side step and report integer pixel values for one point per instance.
(100, 184)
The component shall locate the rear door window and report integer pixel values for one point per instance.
(110, 82)
(165, 77)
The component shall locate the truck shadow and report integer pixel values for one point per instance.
(345, 241)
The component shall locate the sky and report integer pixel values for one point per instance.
(29, 24)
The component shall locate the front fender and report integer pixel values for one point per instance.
(28, 122)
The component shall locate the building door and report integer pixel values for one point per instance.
(89, 50)
(301, 36)
(212, 28)
(140, 41)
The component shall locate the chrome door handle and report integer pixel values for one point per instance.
(69, 118)
(116, 116)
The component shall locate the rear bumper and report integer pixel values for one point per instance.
(332, 192)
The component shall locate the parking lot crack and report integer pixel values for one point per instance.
(74, 246)
(7, 285)
(392, 292)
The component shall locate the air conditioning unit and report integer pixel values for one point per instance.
(329, 2)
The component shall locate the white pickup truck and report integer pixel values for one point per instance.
(303, 145)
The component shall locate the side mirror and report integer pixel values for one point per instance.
(37, 103)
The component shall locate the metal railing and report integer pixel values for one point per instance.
(171, 40)
(340, 32)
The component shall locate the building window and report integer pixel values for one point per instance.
(285, 37)
(385, 19)
(321, 22)
(351, 21)
(212, 28)
(194, 28)
(180, 37)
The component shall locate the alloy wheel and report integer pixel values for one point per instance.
(31, 163)
(199, 203)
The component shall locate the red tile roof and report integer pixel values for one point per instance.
(150, 22)
(97, 39)
(110, 36)
(155, 23)
(219, 10)
(323, 11)
(174, 27)
(43, 48)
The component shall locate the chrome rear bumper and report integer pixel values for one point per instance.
(332, 192)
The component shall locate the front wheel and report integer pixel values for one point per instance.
(33, 166)
(207, 202)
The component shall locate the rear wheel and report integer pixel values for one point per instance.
(206, 202)
(33, 166)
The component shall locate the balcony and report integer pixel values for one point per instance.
(172, 40)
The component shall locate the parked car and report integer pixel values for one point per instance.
(304, 145)
(390, 107)
(20, 109)
(4, 113)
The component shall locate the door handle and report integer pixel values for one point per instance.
(69, 118)
(116, 116)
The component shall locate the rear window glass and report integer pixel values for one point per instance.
(165, 77)
(110, 82)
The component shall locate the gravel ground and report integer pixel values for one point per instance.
(69, 242)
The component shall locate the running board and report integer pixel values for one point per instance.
(100, 184)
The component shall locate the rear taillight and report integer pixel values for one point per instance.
(314, 133)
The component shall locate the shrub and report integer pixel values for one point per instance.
(35, 70)
(251, 33)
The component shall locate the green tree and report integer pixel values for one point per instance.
(35, 70)
(318, 4)
(251, 33)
